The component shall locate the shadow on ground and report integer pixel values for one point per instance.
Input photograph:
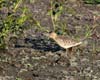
(40, 44)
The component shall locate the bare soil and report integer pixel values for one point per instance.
(35, 57)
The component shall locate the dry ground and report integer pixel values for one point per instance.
(35, 57)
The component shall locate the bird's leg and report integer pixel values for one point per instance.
(70, 52)
(66, 53)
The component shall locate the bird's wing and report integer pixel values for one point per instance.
(66, 42)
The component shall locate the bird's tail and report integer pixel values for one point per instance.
(84, 42)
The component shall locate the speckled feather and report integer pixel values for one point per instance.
(64, 41)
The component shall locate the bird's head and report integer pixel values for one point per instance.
(53, 35)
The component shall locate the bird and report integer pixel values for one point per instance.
(64, 42)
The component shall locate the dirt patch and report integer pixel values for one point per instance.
(35, 57)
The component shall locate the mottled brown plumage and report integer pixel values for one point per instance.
(64, 41)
